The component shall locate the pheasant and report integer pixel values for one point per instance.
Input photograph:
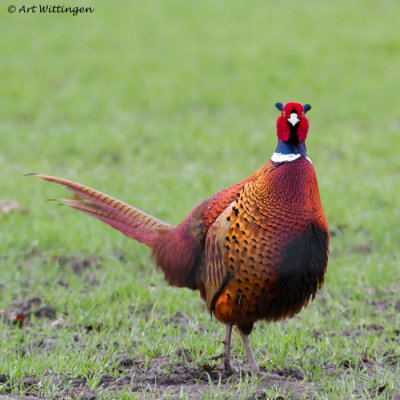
(257, 250)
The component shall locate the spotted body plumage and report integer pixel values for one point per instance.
(265, 222)
(257, 250)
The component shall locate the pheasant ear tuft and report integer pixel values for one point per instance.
(279, 106)
(306, 107)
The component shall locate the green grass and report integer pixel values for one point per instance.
(161, 104)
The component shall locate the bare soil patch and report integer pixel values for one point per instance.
(161, 377)
(191, 379)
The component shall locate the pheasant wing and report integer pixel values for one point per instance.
(216, 265)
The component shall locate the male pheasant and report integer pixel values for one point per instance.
(257, 250)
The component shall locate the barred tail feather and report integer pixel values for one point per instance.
(129, 220)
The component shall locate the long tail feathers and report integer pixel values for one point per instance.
(121, 216)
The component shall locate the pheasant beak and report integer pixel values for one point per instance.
(293, 119)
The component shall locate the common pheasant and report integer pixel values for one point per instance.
(257, 250)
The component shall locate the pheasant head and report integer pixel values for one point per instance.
(292, 125)
(292, 128)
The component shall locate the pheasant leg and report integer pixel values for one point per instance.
(226, 354)
(249, 353)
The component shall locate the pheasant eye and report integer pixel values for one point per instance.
(284, 113)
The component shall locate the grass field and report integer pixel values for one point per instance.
(161, 104)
